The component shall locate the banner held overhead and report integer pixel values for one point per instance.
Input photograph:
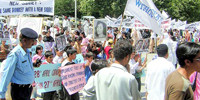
(146, 12)
(10, 7)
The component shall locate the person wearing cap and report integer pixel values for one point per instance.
(178, 86)
(18, 68)
(157, 72)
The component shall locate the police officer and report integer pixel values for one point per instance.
(18, 68)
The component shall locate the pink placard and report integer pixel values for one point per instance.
(73, 77)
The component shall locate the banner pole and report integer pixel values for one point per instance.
(121, 22)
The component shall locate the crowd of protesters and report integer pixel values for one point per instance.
(122, 80)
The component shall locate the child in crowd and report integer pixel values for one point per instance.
(40, 42)
(88, 72)
(39, 50)
(63, 94)
(139, 69)
(59, 57)
(84, 43)
(77, 45)
(111, 58)
(71, 55)
(49, 60)
(88, 90)
(95, 48)
(71, 42)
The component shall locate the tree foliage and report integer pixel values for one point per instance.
(185, 10)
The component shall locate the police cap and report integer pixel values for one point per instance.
(30, 33)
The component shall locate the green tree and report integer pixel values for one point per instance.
(185, 10)
(64, 7)
(101, 8)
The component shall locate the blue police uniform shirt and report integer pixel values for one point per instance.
(18, 69)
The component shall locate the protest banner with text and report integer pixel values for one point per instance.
(10, 7)
(146, 12)
(73, 77)
(47, 78)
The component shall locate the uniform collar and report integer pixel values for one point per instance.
(119, 66)
(22, 50)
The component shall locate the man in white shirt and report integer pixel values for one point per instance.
(157, 72)
(56, 21)
(65, 22)
(115, 82)
(168, 41)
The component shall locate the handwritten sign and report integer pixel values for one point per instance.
(47, 78)
(73, 77)
(10, 7)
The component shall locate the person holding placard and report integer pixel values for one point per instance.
(63, 93)
(6, 35)
(49, 60)
(89, 57)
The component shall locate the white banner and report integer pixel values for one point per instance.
(13, 21)
(192, 26)
(138, 25)
(181, 24)
(146, 12)
(30, 22)
(8, 7)
(166, 24)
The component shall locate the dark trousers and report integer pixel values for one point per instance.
(64, 95)
(21, 92)
(139, 83)
(50, 95)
